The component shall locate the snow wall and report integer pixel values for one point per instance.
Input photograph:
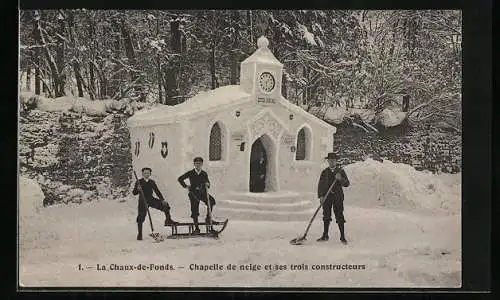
(400, 186)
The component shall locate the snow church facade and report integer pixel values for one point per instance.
(259, 149)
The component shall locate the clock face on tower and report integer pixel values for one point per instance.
(266, 82)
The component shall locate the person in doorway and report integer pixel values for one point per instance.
(149, 186)
(258, 170)
(335, 199)
(197, 187)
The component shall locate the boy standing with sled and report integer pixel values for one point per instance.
(198, 185)
(148, 186)
(335, 199)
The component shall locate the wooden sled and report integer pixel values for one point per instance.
(203, 226)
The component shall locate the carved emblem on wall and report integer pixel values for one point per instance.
(267, 124)
(164, 149)
(288, 139)
(151, 140)
(137, 148)
(237, 136)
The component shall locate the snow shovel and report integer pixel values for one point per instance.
(155, 235)
(301, 239)
(209, 207)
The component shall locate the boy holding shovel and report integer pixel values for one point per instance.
(335, 199)
(149, 186)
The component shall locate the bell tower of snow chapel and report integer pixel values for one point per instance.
(260, 74)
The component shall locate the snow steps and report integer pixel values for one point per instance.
(280, 197)
(257, 206)
(272, 206)
(261, 215)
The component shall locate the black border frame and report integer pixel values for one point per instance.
(477, 154)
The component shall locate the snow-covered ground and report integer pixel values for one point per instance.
(400, 245)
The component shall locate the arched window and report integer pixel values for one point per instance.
(300, 153)
(215, 147)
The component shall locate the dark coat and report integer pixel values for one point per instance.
(326, 179)
(258, 168)
(197, 182)
(148, 188)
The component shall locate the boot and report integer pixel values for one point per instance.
(209, 218)
(324, 237)
(168, 219)
(210, 228)
(139, 231)
(342, 235)
(196, 228)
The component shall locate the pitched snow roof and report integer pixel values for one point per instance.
(202, 103)
(209, 101)
(299, 110)
(262, 54)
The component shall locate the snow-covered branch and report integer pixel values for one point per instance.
(423, 105)
(28, 47)
(359, 126)
(127, 67)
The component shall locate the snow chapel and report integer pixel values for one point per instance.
(262, 153)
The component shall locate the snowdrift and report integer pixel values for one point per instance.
(367, 115)
(400, 186)
(93, 108)
(30, 197)
(391, 118)
(335, 115)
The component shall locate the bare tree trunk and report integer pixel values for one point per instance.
(92, 37)
(37, 78)
(28, 78)
(305, 100)
(45, 81)
(276, 41)
(235, 51)
(104, 86)
(70, 18)
(250, 26)
(211, 59)
(78, 76)
(406, 103)
(171, 87)
(306, 89)
(92, 80)
(45, 87)
(394, 33)
(172, 70)
(314, 84)
(103, 81)
(164, 70)
(36, 58)
(158, 64)
(129, 48)
(159, 79)
(129, 51)
(59, 81)
(213, 75)
(50, 59)
(115, 81)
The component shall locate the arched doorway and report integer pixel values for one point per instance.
(262, 161)
(258, 167)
